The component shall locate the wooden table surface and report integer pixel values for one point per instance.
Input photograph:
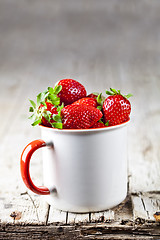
(102, 44)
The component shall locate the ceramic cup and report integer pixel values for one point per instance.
(84, 170)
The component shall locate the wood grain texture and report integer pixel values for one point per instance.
(102, 44)
(92, 231)
(22, 208)
(145, 205)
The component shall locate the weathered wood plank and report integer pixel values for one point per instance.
(91, 231)
(25, 208)
(26, 68)
(143, 136)
(134, 230)
(106, 216)
(14, 197)
(145, 205)
(138, 208)
(152, 204)
(57, 216)
(74, 218)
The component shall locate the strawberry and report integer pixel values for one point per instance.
(93, 95)
(116, 107)
(47, 110)
(52, 109)
(98, 125)
(87, 101)
(98, 97)
(80, 116)
(71, 91)
(84, 101)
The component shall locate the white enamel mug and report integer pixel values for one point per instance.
(84, 170)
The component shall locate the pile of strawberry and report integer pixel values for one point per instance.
(67, 106)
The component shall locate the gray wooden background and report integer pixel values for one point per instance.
(102, 44)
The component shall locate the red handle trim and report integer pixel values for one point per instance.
(25, 163)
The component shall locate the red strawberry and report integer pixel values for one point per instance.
(47, 109)
(66, 109)
(51, 108)
(87, 101)
(71, 91)
(80, 116)
(116, 108)
(98, 125)
(98, 97)
(93, 95)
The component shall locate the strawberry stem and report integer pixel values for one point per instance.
(117, 92)
(107, 123)
(39, 109)
(128, 95)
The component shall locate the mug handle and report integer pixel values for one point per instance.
(25, 164)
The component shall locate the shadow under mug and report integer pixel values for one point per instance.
(84, 170)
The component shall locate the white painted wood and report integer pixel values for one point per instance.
(143, 154)
(143, 133)
(138, 208)
(152, 204)
(78, 218)
(145, 206)
(57, 216)
(14, 136)
(32, 210)
(105, 216)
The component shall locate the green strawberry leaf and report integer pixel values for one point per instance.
(56, 102)
(96, 93)
(52, 96)
(47, 115)
(107, 123)
(39, 111)
(41, 97)
(33, 103)
(54, 99)
(59, 108)
(36, 122)
(128, 95)
(57, 118)
(32, 117)
(99, 99)
(113, 90)
(100, 120)
(57, 89)
(50, 90)
(109, 93)
(31, 109)
(57, 125)
(99, 107)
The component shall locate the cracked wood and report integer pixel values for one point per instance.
(126, 58)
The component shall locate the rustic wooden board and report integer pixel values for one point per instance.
(23, 209)
(145, 205)
(107, 44)
(106, 216)
(143, 153)
(73, 218)
(91, 231)
(57, 216)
